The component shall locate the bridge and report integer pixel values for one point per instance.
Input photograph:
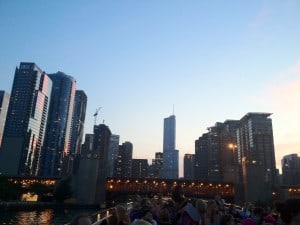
(122, 189)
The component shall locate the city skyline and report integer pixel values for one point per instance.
(136, 59)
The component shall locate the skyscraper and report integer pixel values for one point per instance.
(291, 170)
(240, 152)
(90, 180)
(123, 165)
(170, 154)
(58, 133)
(188, 165)
(256, 146)
(139, 168)
(78, 119)
(155, 169)
(26, 121)
(113, 150)
(4, 101)
(207, 155)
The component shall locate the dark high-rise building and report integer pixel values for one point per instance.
(255, 145)
(78, 121)
(113, 150)
(139, 168)
(123, 165)
(26, 119)
(291, 170)
(58, 135)
(4, 101)
(216, 153)
(170, 154)
(230, 167)
(155, 169)
(207, 156)
(90, 180)
(77, 132)
(189, 166)
(87, 146)
(102, 135)
(240, 152)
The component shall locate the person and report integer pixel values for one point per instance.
(249, 221)
(83, 219)
(136, 207)
(212, 216)
(235, 213)
(122, 215)
(258, 214)
(190, 214)
(201, 208)
(140, 222)
(268, 220)
(247, 210)
(164, 216)
(227, 219)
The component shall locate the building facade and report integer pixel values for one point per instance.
(240, 152)
(139, 168)
(155, 169)
(188, 166)
(26, 120)
(123, 165)
(57, 144)
(4, 101)
(113, 150)
(291, 170)
(207, 156)
(73, 159)
(170, 154)
(255, 145)
(78, 121)
(90, 179)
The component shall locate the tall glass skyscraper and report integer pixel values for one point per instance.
(26, 121)
(58, 135)
(170, 154)
(78, 121)
(4, 101)
(112, 153)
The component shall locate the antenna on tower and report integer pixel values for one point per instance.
(173, 110)
(95, 115)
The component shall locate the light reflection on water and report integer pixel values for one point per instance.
(43, 217)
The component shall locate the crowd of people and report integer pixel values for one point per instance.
(179, 210)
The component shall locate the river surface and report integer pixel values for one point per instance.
(43, 217)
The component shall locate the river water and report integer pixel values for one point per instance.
(43, 217)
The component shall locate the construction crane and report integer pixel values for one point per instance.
(95, 115)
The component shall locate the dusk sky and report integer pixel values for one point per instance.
(212, 60)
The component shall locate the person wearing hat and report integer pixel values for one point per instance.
(269, 220)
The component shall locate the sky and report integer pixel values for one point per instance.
(139, 60)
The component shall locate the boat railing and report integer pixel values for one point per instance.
(98, 217)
